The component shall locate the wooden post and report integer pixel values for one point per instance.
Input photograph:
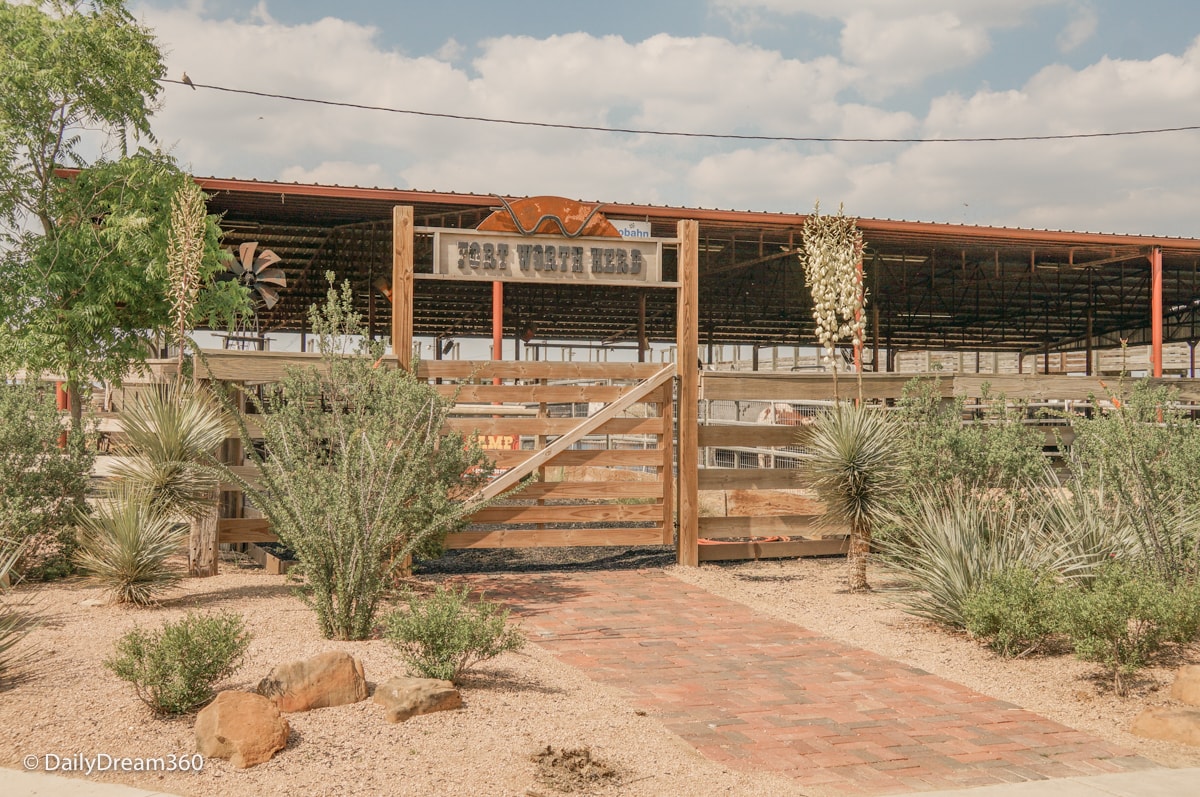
(687, 332)
(667, 412)
(1156, 312)
(402, 284)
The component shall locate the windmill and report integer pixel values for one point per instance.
(255, 269)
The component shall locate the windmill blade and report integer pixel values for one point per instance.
(233, 266)
(269, 295)
(265, 260)
(273, 276)
(246, 255)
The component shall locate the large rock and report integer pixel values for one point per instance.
(1180, 725)
(244, 727)
(407, 697)
(1186, 688)
(333, 678)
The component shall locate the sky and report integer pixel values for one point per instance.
(895, 69)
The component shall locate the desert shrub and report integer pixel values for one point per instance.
(1142, 457)
(175, 669)
(1126, 616)
(936, 446)
(42, 486)
(14, 622)
(851, 466)
(357, 473)
(126, 547)
(1013, 611)
(445, 633)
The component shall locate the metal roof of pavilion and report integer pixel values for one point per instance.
(933, 285)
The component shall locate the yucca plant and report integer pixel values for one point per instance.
(14, 623)
(170, 436)
(950, 542)
(126, 547)
(852, 467)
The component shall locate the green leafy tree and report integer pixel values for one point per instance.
(82, 295)
(357, 473)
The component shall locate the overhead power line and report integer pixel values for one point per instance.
(678, 133)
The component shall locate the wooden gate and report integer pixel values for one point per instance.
(597, 436)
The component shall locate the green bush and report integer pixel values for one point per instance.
(1142, 458)
(174, 669)
(42, 486)
(357, 473)
(938, 448)
(126, 546)
(1013, 611)
(1126, 616)
(444, 634)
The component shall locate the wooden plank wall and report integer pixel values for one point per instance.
(745, 510)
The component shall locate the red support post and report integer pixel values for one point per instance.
(1156, 312)
(497, 323)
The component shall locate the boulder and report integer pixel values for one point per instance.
(244, 727)
(404, 697)
(333, 678)
(1179, 725)
(1186, 688)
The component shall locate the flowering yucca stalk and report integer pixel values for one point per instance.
(832, 259)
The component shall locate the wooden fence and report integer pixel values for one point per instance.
(754, 501)
(600, 439)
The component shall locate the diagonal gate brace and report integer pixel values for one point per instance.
(589, 425)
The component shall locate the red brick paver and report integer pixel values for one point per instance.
(758, 694)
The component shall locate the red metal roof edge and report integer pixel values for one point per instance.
(867, 225)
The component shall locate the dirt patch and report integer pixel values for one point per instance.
(573, 769)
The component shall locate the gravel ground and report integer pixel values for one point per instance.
(516, 705)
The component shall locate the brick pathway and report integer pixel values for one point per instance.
(756, 693)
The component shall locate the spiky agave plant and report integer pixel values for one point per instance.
(852, 467)
(126, 547)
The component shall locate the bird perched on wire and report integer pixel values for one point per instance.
(187, 81)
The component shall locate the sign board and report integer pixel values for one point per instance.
(632, 229)
(507, 257)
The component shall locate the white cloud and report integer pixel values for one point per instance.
(339, 173)
(900, 52)
(698, 84)
(898, 44)
(1079, 29)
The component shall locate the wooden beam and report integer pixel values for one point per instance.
(548, 538)
(486, 370)
(245, 530)
(402, 284)
(1156, 313)
(766, 526)
(570, 513)
(748, 479)
(587, 426)
(731, 551)
(666, 471)
(687, 334)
